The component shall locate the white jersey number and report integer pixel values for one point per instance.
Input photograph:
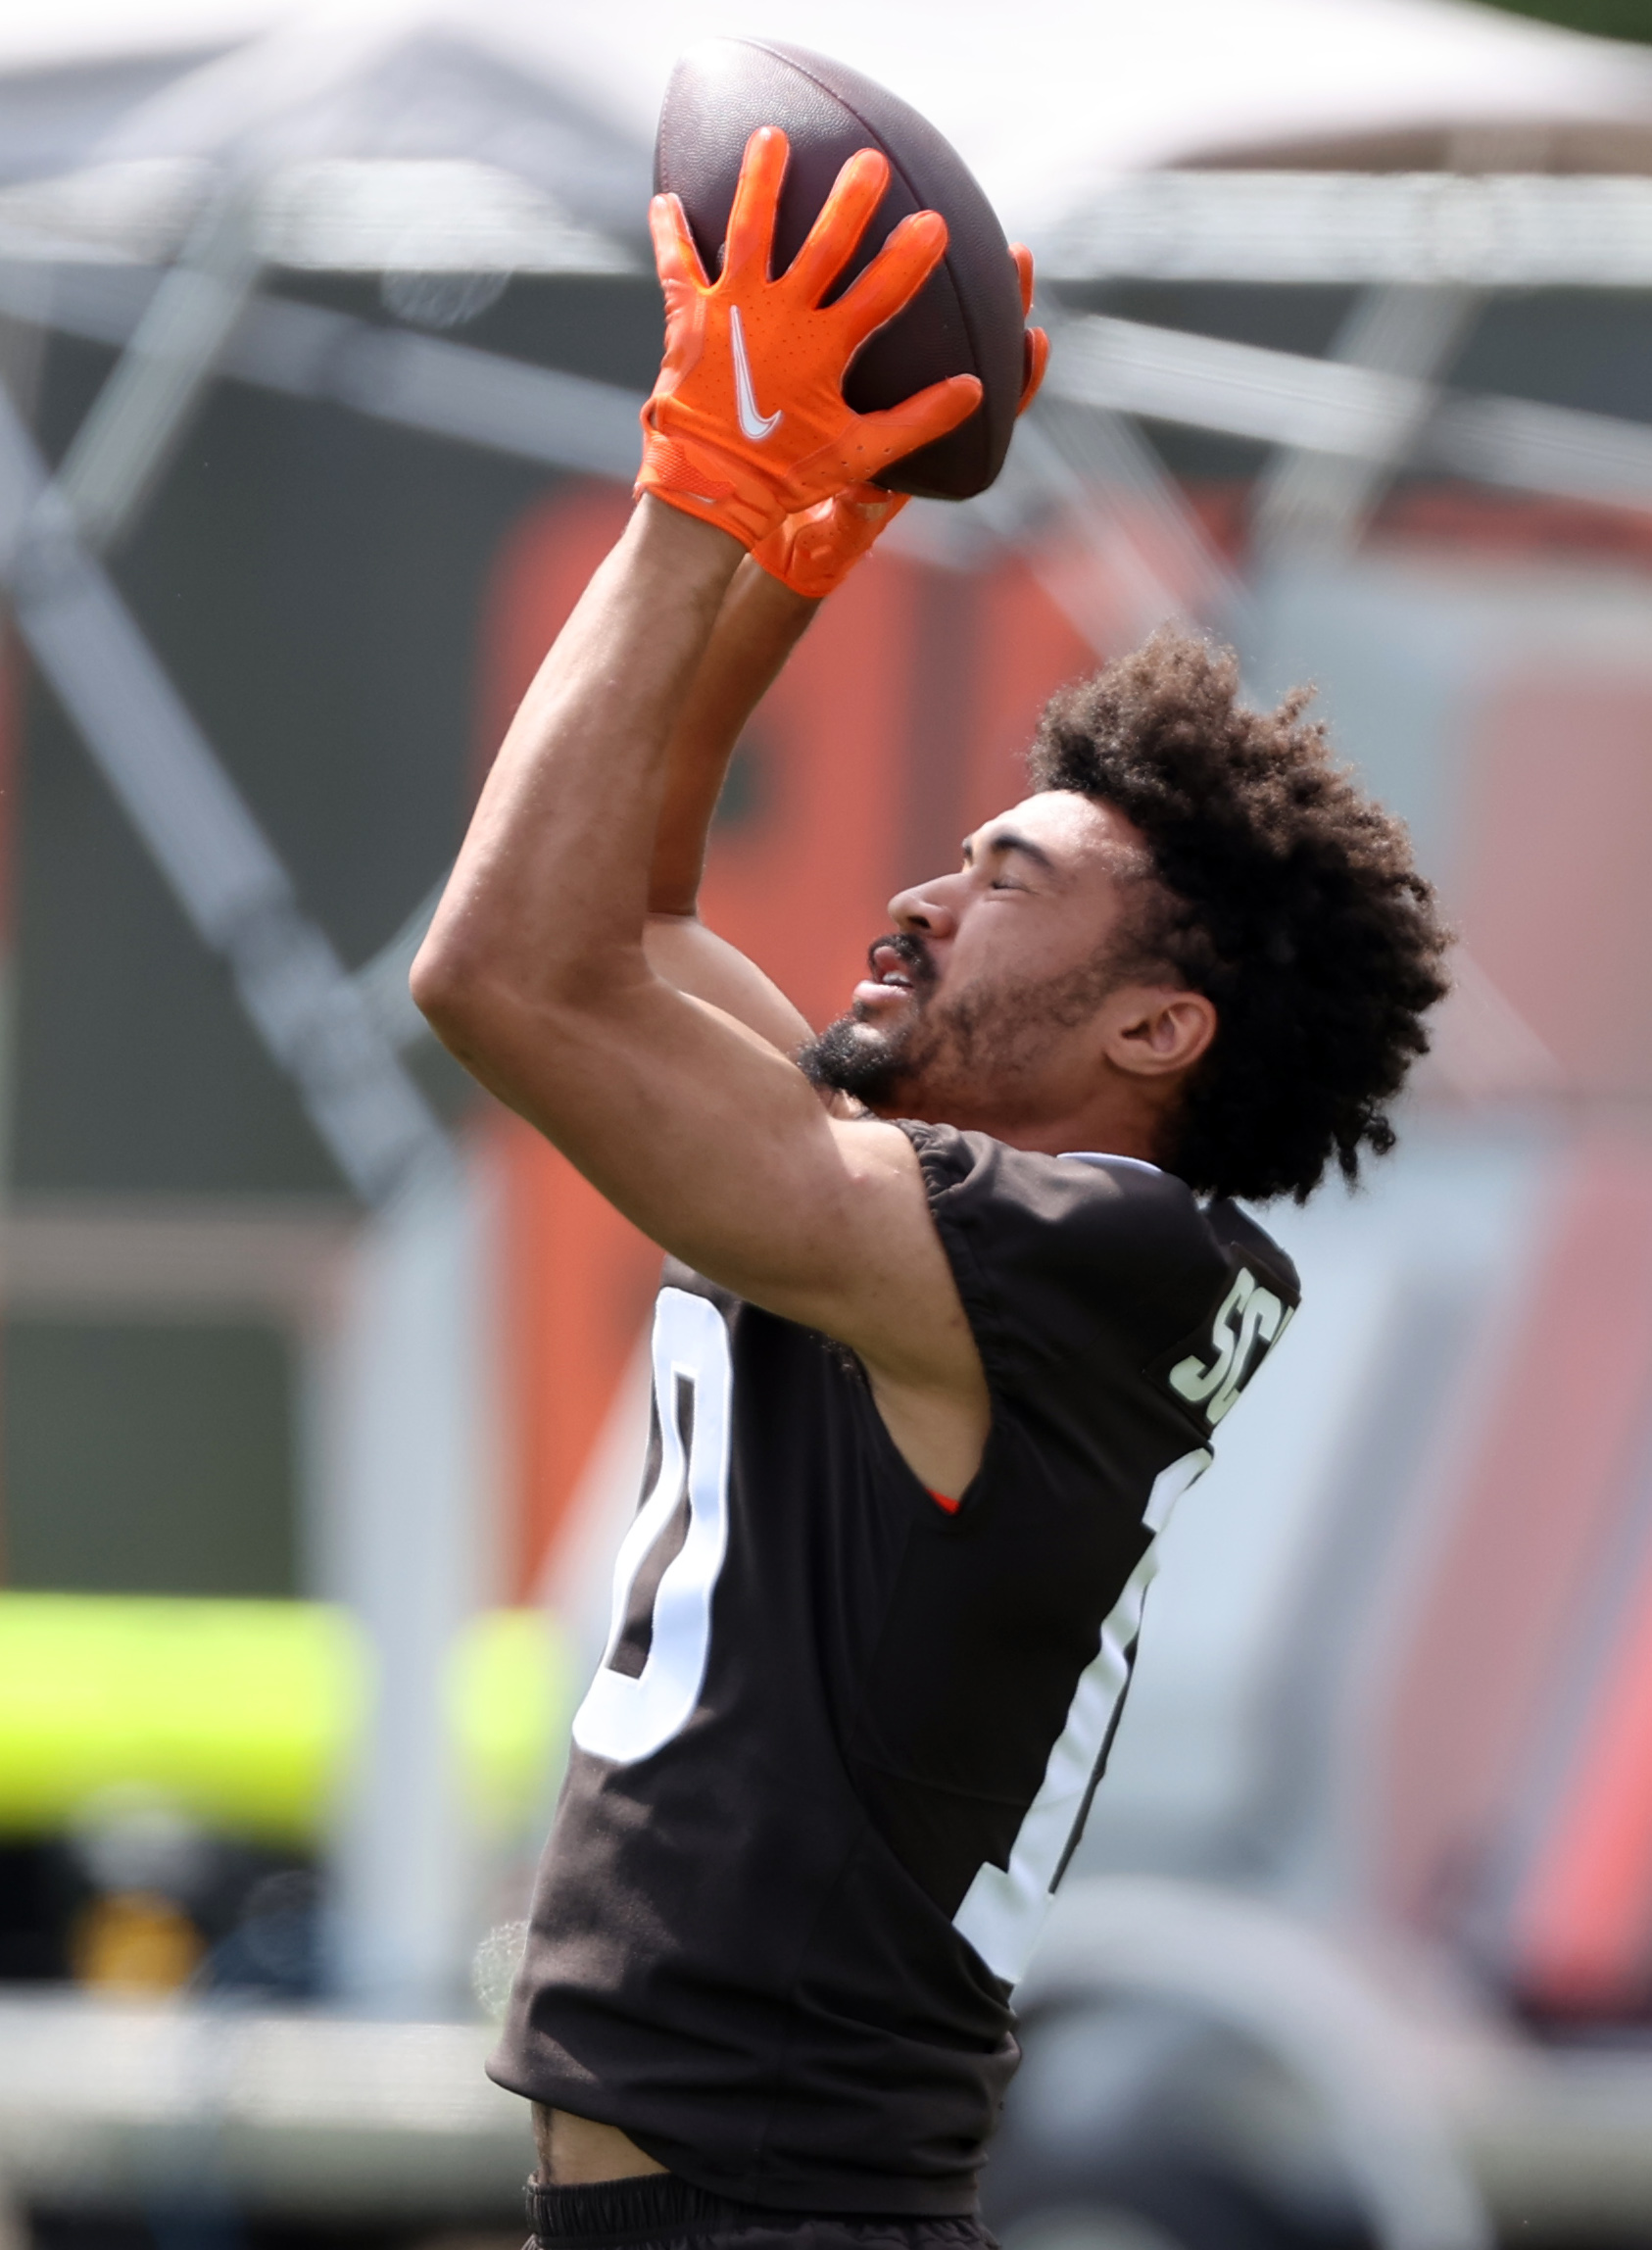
(1005, 1907)
(623, 1717)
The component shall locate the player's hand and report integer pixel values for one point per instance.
(747, 423)
(1036, 344)
(815, 550)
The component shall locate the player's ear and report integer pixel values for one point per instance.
(1158, 1030)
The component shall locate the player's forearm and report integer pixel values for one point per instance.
(690, 957)
(547, 901)
(759, 626)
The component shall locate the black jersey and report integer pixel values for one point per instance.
(844, 1738)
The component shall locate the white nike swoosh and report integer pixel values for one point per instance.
(754, 425)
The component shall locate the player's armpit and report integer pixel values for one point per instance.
(914, 1338)
(885, 1288)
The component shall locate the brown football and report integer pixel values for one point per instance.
(965, 321)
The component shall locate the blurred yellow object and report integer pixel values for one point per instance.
(239, 1713)
(134, 1942)
(509, 1698)
(245, 1715)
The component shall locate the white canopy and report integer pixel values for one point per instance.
(1048, 100)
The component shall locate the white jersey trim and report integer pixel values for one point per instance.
(1101, 1157)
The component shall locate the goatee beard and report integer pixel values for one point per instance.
(979, 1054)
(860, 1058)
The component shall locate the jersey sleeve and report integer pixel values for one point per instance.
(1079, 1276)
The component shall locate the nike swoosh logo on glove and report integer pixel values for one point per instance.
(752, 424)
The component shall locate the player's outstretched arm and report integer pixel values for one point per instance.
(535, 971)
(706, 1136)
(775, 593)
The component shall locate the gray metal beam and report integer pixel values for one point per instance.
(1491, 230)
(1247, 390)
(1316, 501)
(1325, 406)
(120, 450)
(332, 215)
(105, 2106)
(1115, 498)
(1484, 230)
(202, 836)
(124, 2108)
(1118, 367)
(391, 374)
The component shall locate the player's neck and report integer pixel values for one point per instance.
(1110, 1126)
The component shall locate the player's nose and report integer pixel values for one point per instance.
(925, 906)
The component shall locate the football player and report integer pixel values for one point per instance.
(956, 1298)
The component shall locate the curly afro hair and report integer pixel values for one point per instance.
(1283, 893)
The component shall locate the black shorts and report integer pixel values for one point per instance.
(667, 2214)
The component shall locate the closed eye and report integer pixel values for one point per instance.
(1002, 846)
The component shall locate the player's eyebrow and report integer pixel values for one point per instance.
(1004, 840)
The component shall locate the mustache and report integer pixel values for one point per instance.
(910, 952)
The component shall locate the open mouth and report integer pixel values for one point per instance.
(900, 962)
(899, 965)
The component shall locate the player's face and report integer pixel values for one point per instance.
(983, 1001)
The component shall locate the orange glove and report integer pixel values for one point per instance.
(747, 423)
(1035, 347)
(814, 552)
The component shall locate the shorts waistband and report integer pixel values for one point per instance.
(639, 2210)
